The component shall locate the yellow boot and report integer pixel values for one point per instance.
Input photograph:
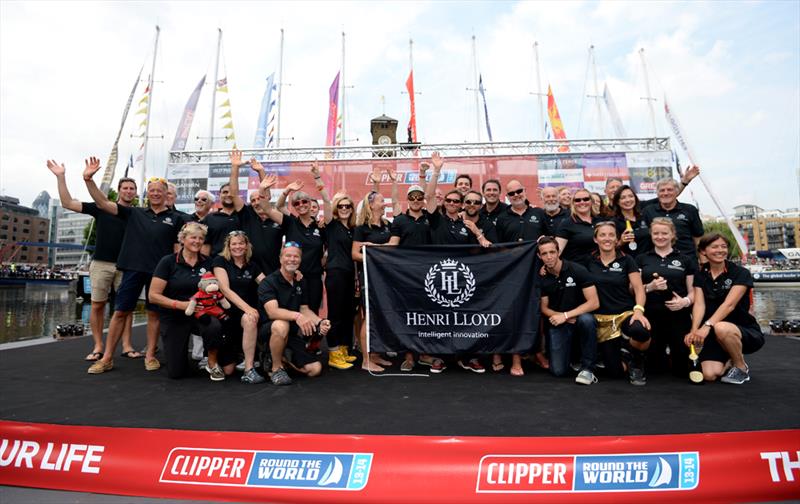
(346, 356)
(336, 360)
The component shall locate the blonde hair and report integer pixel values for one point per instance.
(226, 249)
(365, 214)
(338, 198)
(192, 228)
(665, 221)
(572, 211)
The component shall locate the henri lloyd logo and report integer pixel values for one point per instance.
(450, 283)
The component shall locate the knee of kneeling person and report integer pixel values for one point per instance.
(249, 321)
(725, 330)
(280, 329)
(313, 369)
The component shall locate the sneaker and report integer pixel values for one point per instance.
(336, 360)
(586, 377)
(736, 376)
(346, 354)
(636, 375)
(203, 363)
(473, 365)
(252, 377)
(280, 377)
(240, 366)
(436, 365)
(575, 366)
(100, 367)
(215, 373)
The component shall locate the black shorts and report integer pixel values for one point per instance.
(752, 340)
(298, 355)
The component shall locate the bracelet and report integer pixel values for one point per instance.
(566, 317)
(174, 304)
(688, 301)
(298, 316)
(638, 307)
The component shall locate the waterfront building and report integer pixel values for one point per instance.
(768, 230)
(20, 224)
(67, 228)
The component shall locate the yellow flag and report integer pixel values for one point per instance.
(142, 110)
(226, 114)
(144, 121)
(226, 103)
(231, 137)
(144, 99)
(222, 89)
(228, 126)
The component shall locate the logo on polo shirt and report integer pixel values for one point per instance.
(681, 217)
(676, 264)
(463, 231)
(449, 283)
(728, 283)
(299, 290)
(247, 274)
(276, 225)
(316, 232)
(203, 271)
(570, 282)
(533, 219)
(168, 221)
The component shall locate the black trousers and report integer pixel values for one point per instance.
(341, 288)
(314, 286)
(668, 331)
(176, 330)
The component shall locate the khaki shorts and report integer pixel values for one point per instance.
(103, 276)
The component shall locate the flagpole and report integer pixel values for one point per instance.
(649, 97)
(111, 165)
(475, 81)
(539, 89)
(596, 91)
(150, 85)
(214, 91)
(344, 138)
(280, 86)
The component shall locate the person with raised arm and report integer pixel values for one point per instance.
(688, 225)
(103, 273)
(151, 234)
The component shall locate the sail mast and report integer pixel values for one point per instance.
(475, 87)
(539, 90)
(342, 112)
(596, 92)
(147, 117)
(214, 91)
(280, 87)
(648, 96)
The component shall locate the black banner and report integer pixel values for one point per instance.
(452, 299)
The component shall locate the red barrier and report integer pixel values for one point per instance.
(742, 466)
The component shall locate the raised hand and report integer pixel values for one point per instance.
(255, 165)
(392, 175)
(268, 181)
(691, 172)
(371, 179)
(295, 186)
(92, 166)
(437, 160)
(315, 169)
(471, 226)
(236, 158)
(57, 168)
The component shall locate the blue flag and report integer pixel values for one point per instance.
(267, 104)
(485, 109)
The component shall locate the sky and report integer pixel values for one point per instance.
(731, 71)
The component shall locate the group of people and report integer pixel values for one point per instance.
(626, 285)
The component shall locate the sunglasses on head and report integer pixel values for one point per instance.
(473, 202)
(518, 191)
(453, 201)
(582, 200)
(289, 244)
(416, 198)
(344, 206)
(297, 203)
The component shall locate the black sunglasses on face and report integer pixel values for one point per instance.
(518, 191)
(201, 199)
(453, 201)
(472, 202)
(344, 206)
(416, 198)
(581, 200)
(300, 202)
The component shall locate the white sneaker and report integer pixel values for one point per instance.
(586, 377)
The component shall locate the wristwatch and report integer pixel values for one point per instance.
(708, 324)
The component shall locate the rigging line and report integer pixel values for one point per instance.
(583, 98)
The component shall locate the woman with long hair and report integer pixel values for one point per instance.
(633, 231)
(575, 234)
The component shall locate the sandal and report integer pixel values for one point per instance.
(132, 354)
(407, 366)
(152, 364)
(517, 371)
(94, 356)
(498, 366)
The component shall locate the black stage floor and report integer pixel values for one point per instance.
(48, 383)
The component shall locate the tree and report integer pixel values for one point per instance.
(734, 252)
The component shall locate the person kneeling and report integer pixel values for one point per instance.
(285, 301)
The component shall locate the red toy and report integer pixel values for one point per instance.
(209, 298)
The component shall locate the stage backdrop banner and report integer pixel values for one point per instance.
(452, 299)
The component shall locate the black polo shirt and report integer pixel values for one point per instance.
(149, 236)
(181, 278)
(580, 239)
(613, 283)
(412, 230)
(513, 227)
(674, 267)
(640, 231)
(372, 234)
(109, 229)
(219, 225)
(265, 235)
(488, 229)
(311, 239)
(687, 224)
(494, 214)
(716, 290)
(446, 231)
(241, 280)
(290, 296)
(553, 221)
(339, 239)
(193, 217)
(565, 291)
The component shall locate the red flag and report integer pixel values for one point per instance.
(555, 119)
(412, 121)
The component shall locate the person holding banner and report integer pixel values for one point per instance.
(623, 332)
(575, 234)
(633, 230)
(483, 231)
(721, 321)
(568, 299)
(668, 276)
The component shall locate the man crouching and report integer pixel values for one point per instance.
(285, 301)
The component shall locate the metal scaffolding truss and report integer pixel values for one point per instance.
(401, 151)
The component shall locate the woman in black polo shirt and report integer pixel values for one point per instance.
(721, 319)
(623, 332)
(668, 276)
(238, 278)
(174, 282)
(340, 281)
(633, 231)
(574, 235)
(372, 229)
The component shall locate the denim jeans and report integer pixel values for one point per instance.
(560, 344)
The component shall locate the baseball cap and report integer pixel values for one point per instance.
(414, 188)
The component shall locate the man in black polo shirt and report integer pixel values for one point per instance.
(492, 206)
(553, 212)
(222, 221)
(688, 226)
(103, 272)
(463, 183)
(520, 221)
(481, 226)
(285, 302)
(151, 234)
(412, 227)
(568, 299)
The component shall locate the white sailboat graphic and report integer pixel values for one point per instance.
(333, 473)
(663, 474)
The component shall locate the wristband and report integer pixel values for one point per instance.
(688, 301)
(566, 317)
(638, 307)
(174, 304)
(297, 316)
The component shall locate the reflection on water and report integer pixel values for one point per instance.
(34, 311)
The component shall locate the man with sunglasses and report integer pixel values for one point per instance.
(482, 227)
(493, 207)
(151, 234)
(103, 272)
(520, 221)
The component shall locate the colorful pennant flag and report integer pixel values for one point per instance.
(412, 120)
(556, 125)
(485, 109)
(333, 112)
(263, 129)
(182, 135)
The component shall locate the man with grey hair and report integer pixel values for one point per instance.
(688, 226)
(553, 212)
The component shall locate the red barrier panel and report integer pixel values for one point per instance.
(742, 466)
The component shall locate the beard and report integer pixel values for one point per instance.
(552, 207)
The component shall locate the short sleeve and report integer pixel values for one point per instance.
(743, 277)
(696, 223)
(582, 277)
(164, 267)
(630, 265)
(124, 212)
(304, 292)
(563, 229)
(266, 292)
(89, 209)
(218, 262)
(395, 228)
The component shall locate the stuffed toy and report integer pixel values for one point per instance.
(209, 298)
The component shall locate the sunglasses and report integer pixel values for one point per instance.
(289, 244)
(473, 202)
(518, 191)
(237, 232)
(157, 179)
(297, 203)
(201, 199)
(453, 201)
(582, 200)
(416, 198)
(344, 206)
(605, 223)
